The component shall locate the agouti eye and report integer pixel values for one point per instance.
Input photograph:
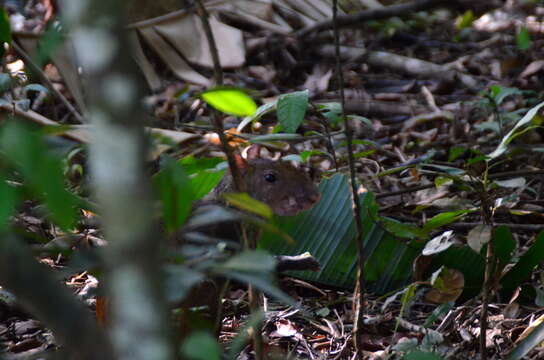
(270, 178)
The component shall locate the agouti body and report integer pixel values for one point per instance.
(287, 190)
(284, 188)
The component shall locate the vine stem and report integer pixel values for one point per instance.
(358, 299)
(487, 217)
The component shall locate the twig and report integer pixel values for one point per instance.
(42, 120)
(487, 217)
(237, 180)
(28, 60)
(218, 75)
(358, 299)
(383, 13)
(522, 227)
(217, 70)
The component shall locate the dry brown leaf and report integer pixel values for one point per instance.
(169, 55)
(447, 287)
(186, 34)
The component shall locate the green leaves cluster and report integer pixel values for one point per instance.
(180, 183)
(40, 172)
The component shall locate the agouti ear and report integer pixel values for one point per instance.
(241, 163)
(253, 152)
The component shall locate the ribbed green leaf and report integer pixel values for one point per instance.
(531, 341)
(327, 231)
(291, 109)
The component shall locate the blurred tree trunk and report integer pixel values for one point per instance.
(118, 150)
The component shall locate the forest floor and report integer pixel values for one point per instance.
(439, 87)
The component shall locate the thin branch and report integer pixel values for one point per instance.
(239, 185)
(28, 60)
(217, 70)
(358, 299)
(218, 74)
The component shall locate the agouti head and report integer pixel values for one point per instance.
(285, 188)
(280, 185)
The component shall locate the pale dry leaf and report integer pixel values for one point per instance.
(479, 236)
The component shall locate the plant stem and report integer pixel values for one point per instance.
(358, 298)
(239, 185)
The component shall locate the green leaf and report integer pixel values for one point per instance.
(464, 259)
(256, 268)
(406, 298)
(231, 101)
(533, 340)
(402, 230)
(201, 346)
(362, 119)
(525, 266)
(5, 82)
(445, 218)
(327, 231)
(49, 42)
(245, 202)
(455, 152)
(250, 261)
(332, 111)
(513, 133)
(204, 182)
(442, 180)
(504, 244)
(8, 194)
(203, 173)
(438, 313)
(175, 193)
(5, 30)
(523, 39)
(465, 21)
(291, 109)
(499, 93)
(261, 111)
(178, 282)
(305, 155)
(43, 171)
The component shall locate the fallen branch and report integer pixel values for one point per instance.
(404, 64)
(376, 14)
